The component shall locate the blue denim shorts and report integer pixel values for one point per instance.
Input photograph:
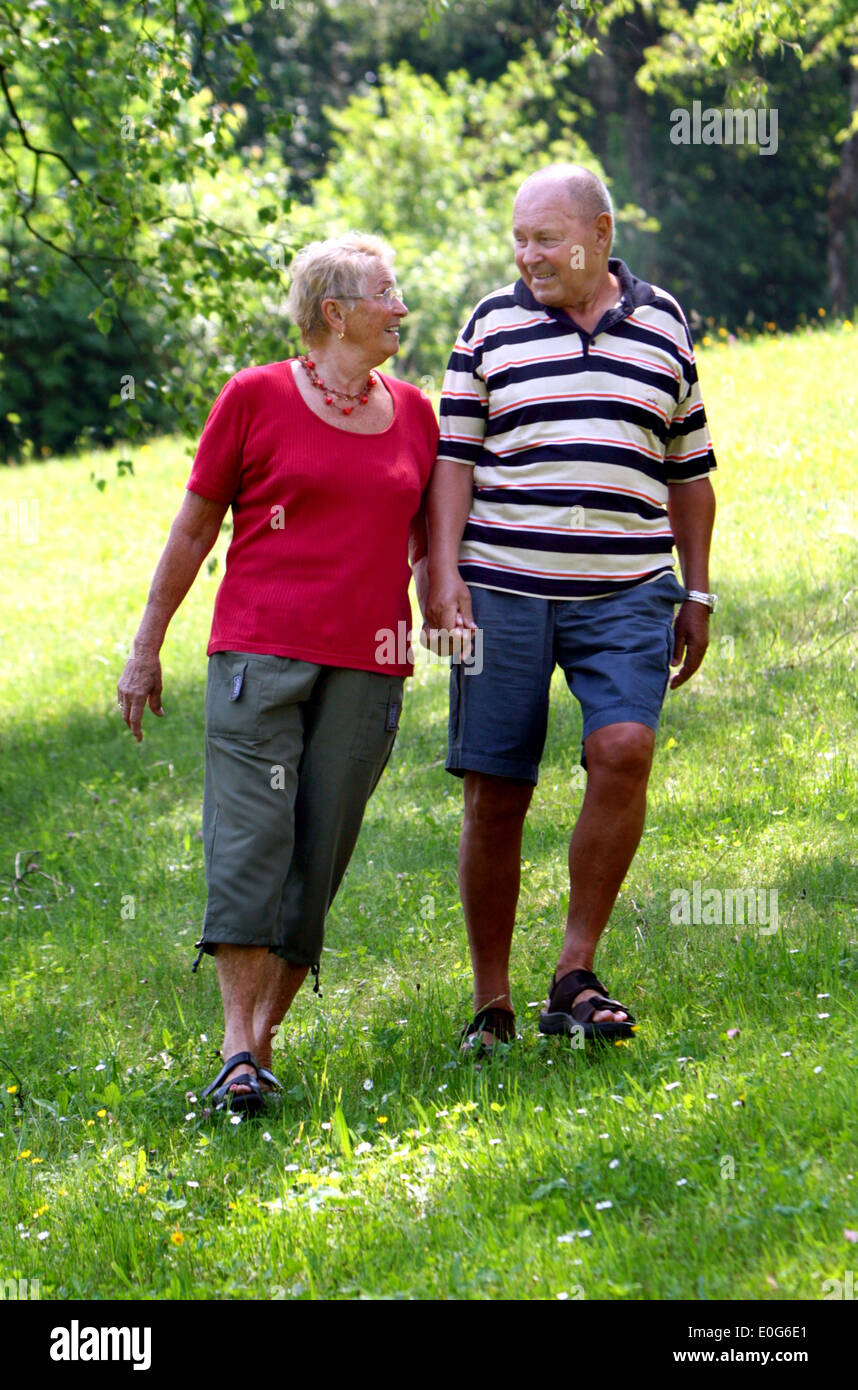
(614, 651)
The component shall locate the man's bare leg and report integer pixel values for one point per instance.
(489, 880)
(604, 841)
(254, 984)
(279, 989)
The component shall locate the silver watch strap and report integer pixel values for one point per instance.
(697, 596)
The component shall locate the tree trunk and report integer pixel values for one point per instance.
(843, 218)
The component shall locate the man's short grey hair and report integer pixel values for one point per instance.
(587, 193)
(332, 269)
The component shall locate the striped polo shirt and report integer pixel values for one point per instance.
(573, 438)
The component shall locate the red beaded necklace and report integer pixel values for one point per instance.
(330, 391)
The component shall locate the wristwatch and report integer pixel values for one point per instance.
(696, 596)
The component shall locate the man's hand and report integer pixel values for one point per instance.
(448, 610)
(139, 682)
(449, 602)
(691, 638)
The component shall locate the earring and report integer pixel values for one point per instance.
(341, 335)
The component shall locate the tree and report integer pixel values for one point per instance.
(433, 168)
(746, 40)
(107, 128)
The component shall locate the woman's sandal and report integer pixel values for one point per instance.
(237, 1102)
(501, 1022)
(563, 1015)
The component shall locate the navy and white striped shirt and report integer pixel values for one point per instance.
(573, 439)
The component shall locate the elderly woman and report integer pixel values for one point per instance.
(324, 461)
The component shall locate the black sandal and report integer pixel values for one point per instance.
(246, 1103)
(501, 1022)
(268, 1077)
(563, 1015)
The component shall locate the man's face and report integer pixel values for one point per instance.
(559, 255)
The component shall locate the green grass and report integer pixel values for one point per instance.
(728, 1160)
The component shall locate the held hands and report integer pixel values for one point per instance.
(140, 682)
(448, 619)
(691, 637)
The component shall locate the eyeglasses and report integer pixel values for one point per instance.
(393, 292)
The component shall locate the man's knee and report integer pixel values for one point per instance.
(620, 750)
(495, 802)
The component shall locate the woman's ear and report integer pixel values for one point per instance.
(334, 316)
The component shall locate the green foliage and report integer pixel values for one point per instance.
(433, 169)
(101, 174)
(314, 55)
(66, 379)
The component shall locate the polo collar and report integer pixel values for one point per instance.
(633, 291)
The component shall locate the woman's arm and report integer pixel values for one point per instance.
(192, 535)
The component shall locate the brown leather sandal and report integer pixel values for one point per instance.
(564, 1016)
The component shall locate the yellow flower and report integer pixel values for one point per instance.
(101, 1114)
(821, 313)
(722, 332)
(143, 1188)
(177, 1238)
(11, 1090)
(706, 340)
(90, 1122)
(40, 1211)
(382, 1119)
(847, 323)
(25, 1153)
(37, 1160)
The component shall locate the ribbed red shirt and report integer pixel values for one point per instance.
(318, 563)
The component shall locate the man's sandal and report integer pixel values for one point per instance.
(563, 1015)
(500, 1022)
(269, 1078)
(238, 1103)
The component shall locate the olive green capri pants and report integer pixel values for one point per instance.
(293, 754)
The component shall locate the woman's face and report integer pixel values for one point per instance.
(372, 320)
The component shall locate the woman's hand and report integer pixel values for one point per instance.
(140, 682)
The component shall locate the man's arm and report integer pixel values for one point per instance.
(448, 505)
(691, 510)
(192, 535)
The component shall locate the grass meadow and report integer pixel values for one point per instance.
(711, 1158)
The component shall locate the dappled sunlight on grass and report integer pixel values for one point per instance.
(710, 1157)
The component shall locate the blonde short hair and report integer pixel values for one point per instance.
(332, 269)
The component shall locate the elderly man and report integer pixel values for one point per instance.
(574, 454)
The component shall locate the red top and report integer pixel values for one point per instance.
(317, 568)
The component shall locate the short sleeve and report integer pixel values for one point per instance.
(464, 404)
(689, 454)
(216, 470)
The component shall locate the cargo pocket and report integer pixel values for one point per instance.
(377, 724)
(232, 696)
